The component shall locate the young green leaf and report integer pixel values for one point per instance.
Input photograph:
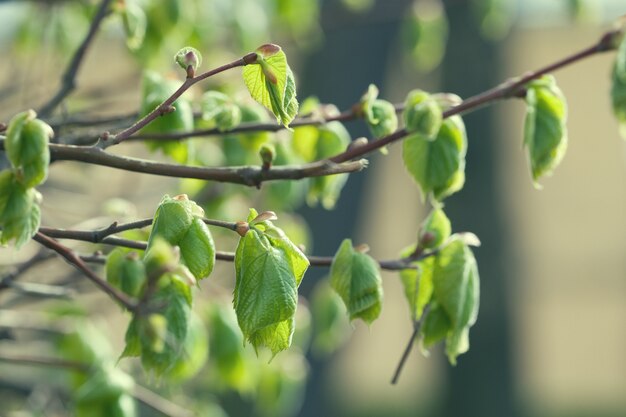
(418, 283)
(618, 87)
(135, 24)
(19, 210)
(269, 268)
(545, 132)
(435, 229)
(270, 82)
(356, 278)
(178, 220)
(438, 166)
(435, 327)
(26, 146)
(220, 110)
(194, 354)
(380, 115)
(425, 33)
(331, 327)
(159, 338)
(422, 114)
(125, 270)
(456, 289)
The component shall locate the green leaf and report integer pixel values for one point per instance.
(435, 229)
(425, 33)
(333, 138)
(194, 354)
(228, 358)
(356, 278)
(331, 327)
(178, 220)
(220, 110)
(155, 91)
(381, 118)
(159, 338)
(456, 289)
(618, 87)
(417, 283)
(269, 268)
(19, 210)
(125, 270)
(438, 166)
(436, 326)
(495, 17)
(135, 24)
(545, 132)
(422, 114)
(270, 82)
(26, 146)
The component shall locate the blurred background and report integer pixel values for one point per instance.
(551, 333)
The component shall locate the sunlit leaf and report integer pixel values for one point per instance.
(356, 278)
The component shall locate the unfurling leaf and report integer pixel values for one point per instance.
(159, 338)
(417, 283)
(438, 166)
(457, 292)
(178, 221)
(26, 146)
(188, 57)
(356, 278)
(220, 110)
(545, 132)
(270, 82)
(435, 229)
(269, 268)
(155, 91)
(422, 114)
(126, 271)
(19, 210)
(380, 115)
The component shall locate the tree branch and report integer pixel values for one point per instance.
(245, 175)
(69, 77)
(79, 264)
(505, 90)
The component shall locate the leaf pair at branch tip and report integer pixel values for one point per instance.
(270, 82)
(269, 269)
(380, 115)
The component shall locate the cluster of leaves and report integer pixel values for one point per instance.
(26, 147)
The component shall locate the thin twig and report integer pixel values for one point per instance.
(79, 264)
(322, 261)
(502, 91)
(166, 106)
(7, 280)
(407, 350)
(69, 76)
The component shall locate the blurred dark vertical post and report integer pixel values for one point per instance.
(354, 53)
(482, 382)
